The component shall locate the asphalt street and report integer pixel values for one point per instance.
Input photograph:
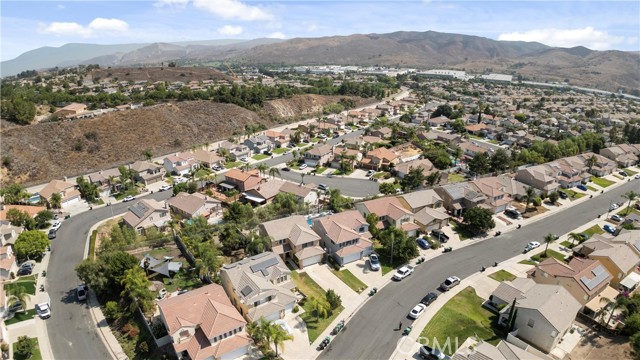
(71, 329)
(372, 332)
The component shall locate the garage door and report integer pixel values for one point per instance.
(312, 260)
(72, 201)
(273, 317)
(351, 258)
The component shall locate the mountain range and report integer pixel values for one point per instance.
(607, 70)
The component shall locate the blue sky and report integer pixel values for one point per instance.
(598, 25)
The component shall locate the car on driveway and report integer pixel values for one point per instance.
(165, 187)
(286, 169)
(128, 198)
(81, 293)
(429, 298)
(423, 243)
(623, 173)
(512, 213)
(403, 272)
(55, 225)
(25, 271)
(616, 218)
(530, 246)
(370, 173)
(374, 262)
(303, 166)
(449, 283)
(417, 311)
(440, 235)
(608, 228)
(563, 195)
(582, 187)
(43, 310)
(17, 306)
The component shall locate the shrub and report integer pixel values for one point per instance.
(333, 299)
(296, 309)
(143, 347)
(112, 311)
(536, 201)
(25, 347)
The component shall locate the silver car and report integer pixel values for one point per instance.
(374, 262)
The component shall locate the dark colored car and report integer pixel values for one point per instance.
(423, 243)
(286, 169)
(267, 152)
(563, 195)
(25, 271)
(582, 187)
(622, 173)
(440, 235)
(431, 297)
(514, 214)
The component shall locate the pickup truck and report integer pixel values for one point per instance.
(403, 272)
(429, 353)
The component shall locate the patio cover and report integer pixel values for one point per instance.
(595, 304)
(631, 281)
(255, 199)
(227, 186)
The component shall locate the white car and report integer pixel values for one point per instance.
(55, 225)
(637, 176)
(613, 207)
(303, 166)
(43, 310)
(165, 187)
(179, 180)
(403, 272)
(128, 198)
(417, 311)
(530, 246)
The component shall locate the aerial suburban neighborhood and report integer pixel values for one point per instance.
(451, 215)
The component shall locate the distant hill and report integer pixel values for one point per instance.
(153, 74)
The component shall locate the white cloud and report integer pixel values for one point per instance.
(312, 28)
(588, 37)
(102, 24)
(277, 35)
(230, 30)
(171, 3)
(60, 6)
(74, 29)
(233, 9)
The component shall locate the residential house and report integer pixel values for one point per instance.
(277, 138)
(470, 149)
(458, 197)
(31, 210)
(343, 154)
(67, 190)
(8, 264)
(383, 132)
(345, 236)
(188, 206)
(571, 171)
(402, 169)
(318, 156)
(418, 200)
(9, 233)
(354, 143)
(259, 286)
(293, 240)
(146, 213)
(264, 192)
(70, 110)
(440, 121)
(241, 180)
(540, 177)
(368, 139)
(601, 166)
(148, 172)
(208, 159)
(477, 129)
(618, 256)
(390, 212)
(625, 155)
(497, 199)
(583, 278)
(203, 324)
(508, 291)
(305, 194)
(503, 351)
(379, 159)
(181, 163)
(106, 181)
(544, 315)
(429, 219)
(234, 151)
(259, 144)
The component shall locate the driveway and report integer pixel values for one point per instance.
(362, 271)
(322, 275)
(298, 348)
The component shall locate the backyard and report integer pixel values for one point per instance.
(502, 275)
(348, 278)
(461, 317)
(602, 182)
(454, 178)
(309, 288)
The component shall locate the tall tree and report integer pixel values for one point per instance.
(56, 200)
(619, 303)
(630, 195)
(413, 180)
(31, 244)
(478, 220)
(530, 194)
(21, 218)
(278, 336)
(136, 289)
(500, 161)
(575, 238)
(320, 306)
(13, 194)
(262, 168)
(591, 161)
(480, 164)
(258, 244)
(548, 239)
(433, 178)
(273, 172)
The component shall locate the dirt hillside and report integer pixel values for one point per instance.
(154, 74)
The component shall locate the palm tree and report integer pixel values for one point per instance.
(548, 239)
(619, 303)
(575, 237)
(56, 200)
(631, 195)
(262, 168)
(18, 294)
(531, 193)
(279, 336)
(320, 306)
(302, 176)
(245, 167)
(273, 172)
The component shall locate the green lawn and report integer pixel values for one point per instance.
(461, 317)
(463, 234)
(618, 176)
(259, 157)
(306, 285)
(385, 260)
(280, 150)
(591, 188)
(567, 244)
(527, 262)
(595, 229)
(28, 283)
(626, 211)
(379, 175)
(351, 280)
(454, 178)
(21, 316)
(36, 355)
(314, 140)
(630, 172)
(122, 195)
(183, 279)
(310, 288)
(602, 182)
(202, 172)
(320, 169)
(502, 275)
(233, 164)
(550, 253)
(573, 194)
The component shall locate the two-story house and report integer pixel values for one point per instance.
(181, 163)
(418, 200)
(305, 194)
(146, 213)
(345, 236)
(571, 172)
(203, 324)
(208, 159)
(497, 199)
(259, 144)
(460, 196)
(390, 212)
(342, 155)
(598, 165)
(379, 159)
(402, 169)
(8, 264)
(279, 139)
(233, 151)
(106, 181)
(188, 206)
(67, 190)
(625, 155)
(259, 286)
(318, 156)
(540, 177)
(293, 240)
(241, 180)
(147, 172)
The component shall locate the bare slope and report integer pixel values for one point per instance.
(153, 74)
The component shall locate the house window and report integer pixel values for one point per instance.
(361, 229)
(531, 323)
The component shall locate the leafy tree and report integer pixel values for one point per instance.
(530, 194)
(387, 188)
(619, 303)
(285, 203)
(13, 194)
(333, 299)
(25, 347)
(105, 274)
(413, 180)
(553, 197)
(17, 294)
(500, 161)
(630, 195)
(337, 202)
(88, 191)
(372, 220)
(232, 239)
(178, 188)
(478, 220)
(18, 110)
(444, 110)
(458, 126)
(273, 172)
(520, 117)
(21, 218)
(590, 162)
(632, 324)
(548, 239)
(136, 289)
(433, 178)
(56, 200)
(480, 164)
(320, 306)
(42, 218)
(112, 311)
(258, 244)
(278, 336)
(397, 244)
(148, 154)
(31, 244)
(240, 214)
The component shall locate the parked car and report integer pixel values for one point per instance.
(512, 213)
(323, 187)
(637, 176)
(17, 306)
(403, 272)
(613, 207)
(623, 173)
(423, 243)
(291, 146)
(440, 235)
(608, 228)
(81, 293)
(370, 173)
(429, 353)
(532, 245)
(584, 236)
(303, 166)
(267, 152)
(582, 187)
(217, 168)
(616, 218)
(52, 234)
(55, 225)
(429, 298)
(165, 187)
(24, 271)
(286, 169)
(322, 136)
(43, 310)
(128, 198)
(449, 283)
(162, 294)
(417, 311)
(563, 195)
(244, 159)
(374, 262)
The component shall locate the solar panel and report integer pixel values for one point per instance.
(598, 270)
(139, 209)
(600, 274)
(263, 265)
(246, 290)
